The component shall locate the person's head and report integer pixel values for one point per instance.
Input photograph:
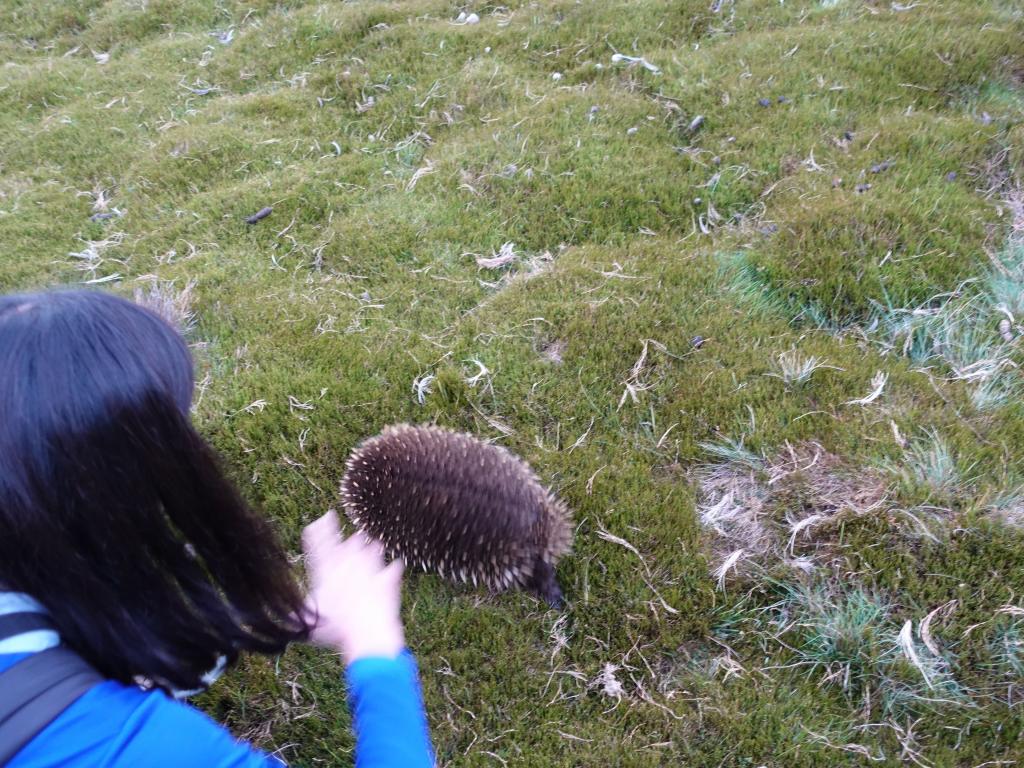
(114, 512)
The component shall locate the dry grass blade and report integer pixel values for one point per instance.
(611, 537)
(422, 171)
(877, 384)
(906, 639)
(730, 562)
(505, 256)
(853, 748)
(795, 369)
(925, 627)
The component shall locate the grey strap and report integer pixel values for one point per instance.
(35, 691)
(12, 624)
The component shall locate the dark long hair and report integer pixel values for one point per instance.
(114, 512)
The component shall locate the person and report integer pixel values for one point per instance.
(132, 572)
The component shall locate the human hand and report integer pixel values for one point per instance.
(354, 596)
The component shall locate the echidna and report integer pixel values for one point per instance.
(451, 504)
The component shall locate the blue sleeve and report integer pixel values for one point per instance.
(387, 713)
(122, 727)
(182, 735)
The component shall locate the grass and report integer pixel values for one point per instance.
(929, 468)
(788, 328)
(794, 369)
(850, 641)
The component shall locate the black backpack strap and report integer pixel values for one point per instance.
(12, 624)
(35, 691)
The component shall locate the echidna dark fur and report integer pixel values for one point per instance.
(448, 503)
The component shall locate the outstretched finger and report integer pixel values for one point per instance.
(376, 550)
(394, 571)
(321, 538)
(353, 547)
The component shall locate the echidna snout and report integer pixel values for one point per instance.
(544, 583)
(451, 504)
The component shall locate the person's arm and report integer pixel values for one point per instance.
(356, 599)
(387, 713)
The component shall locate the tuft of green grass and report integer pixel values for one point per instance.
(928, 467)
(749, 283)
(973, 334)
(845, 641)
(1006, 646)
(1008, 506)
(735, 452)
(850, 640)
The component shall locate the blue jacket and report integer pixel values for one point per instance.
(117, 726)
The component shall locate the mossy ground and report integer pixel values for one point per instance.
(396, 148)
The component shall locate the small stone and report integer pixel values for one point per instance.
(986, 118)
(861, 188)
(765, 102)
(472, 19)
(695, 124)
(697, 342)
(716, 160)
(837, 181)
(782, 100)
(487, 49)
(697, 201)
(951, 176)
(1006, 330)
(885, 165)
(632, 131)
